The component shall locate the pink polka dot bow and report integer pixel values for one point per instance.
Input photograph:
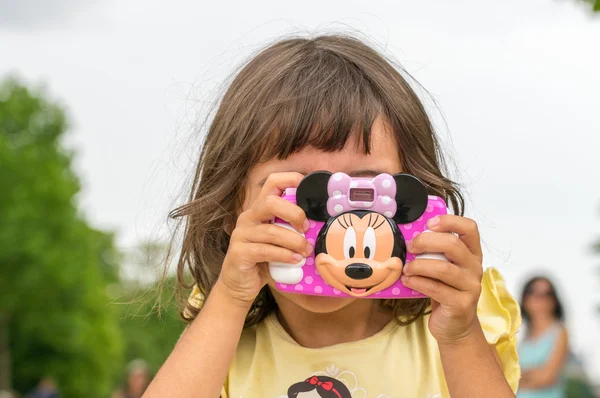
(376, 194)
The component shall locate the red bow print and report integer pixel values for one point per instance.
(325, 385)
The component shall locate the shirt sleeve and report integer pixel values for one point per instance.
(196, 300)
(500, 318)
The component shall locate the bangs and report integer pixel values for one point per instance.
(320, 107)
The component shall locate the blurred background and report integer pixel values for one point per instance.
(101, 104)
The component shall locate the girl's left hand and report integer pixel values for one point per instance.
(454, 286)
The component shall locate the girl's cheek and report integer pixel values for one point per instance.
(249, 199)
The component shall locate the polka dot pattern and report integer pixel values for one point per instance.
(339, 186)
(313, 284)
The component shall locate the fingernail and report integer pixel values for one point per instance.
(409, 245)
(306, 225)
(433, 222)
(297, 257)
(309, 249)
(404, 278)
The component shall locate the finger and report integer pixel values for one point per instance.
(274, 206)
(432, 288)
(466, 229)
(278, 236)
(254, 253)
(443, 271)
(263, 271)
(276, 183)
(448, 244)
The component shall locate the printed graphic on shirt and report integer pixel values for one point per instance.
(334, 383)
(319, 387)
(345, 383)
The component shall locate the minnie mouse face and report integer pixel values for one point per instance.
(361, 252)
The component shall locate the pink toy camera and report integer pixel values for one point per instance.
(359, 228)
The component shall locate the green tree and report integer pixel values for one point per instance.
(55, 267)
(149, 331)
(595, 4)
(149, 309)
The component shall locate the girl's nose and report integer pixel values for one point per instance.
(359, 271)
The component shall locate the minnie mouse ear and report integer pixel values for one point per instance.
(312, 196)
(411, 198)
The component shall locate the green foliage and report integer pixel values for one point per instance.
(66, 308)
(55, 266)
(151, 329)
(577, 388)
(595, 4)
(149, 312)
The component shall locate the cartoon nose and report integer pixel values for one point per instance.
(359, 271)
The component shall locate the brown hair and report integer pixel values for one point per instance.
(296, 93)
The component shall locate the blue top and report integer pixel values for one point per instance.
(534, 353)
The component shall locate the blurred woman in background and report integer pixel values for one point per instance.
(545, 351)
(138, 378)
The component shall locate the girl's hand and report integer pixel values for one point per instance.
(255, 241)
(454, 286)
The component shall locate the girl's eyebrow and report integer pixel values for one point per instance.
(356, 173)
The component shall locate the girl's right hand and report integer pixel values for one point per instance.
(255, 241)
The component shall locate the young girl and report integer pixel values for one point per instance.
(329, 103)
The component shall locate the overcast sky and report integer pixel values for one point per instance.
(517, 83)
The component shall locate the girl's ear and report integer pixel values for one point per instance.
(311, 195)
(411, 198)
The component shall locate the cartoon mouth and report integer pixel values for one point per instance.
(357, 290)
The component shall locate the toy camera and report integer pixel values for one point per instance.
(359, 228)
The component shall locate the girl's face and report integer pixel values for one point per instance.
(539, 302)
(384, 158)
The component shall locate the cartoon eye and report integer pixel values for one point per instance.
(350, 243)
(370, 243)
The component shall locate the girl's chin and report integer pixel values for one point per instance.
(316, 304)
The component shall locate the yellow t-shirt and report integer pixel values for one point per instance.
(398, 361)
